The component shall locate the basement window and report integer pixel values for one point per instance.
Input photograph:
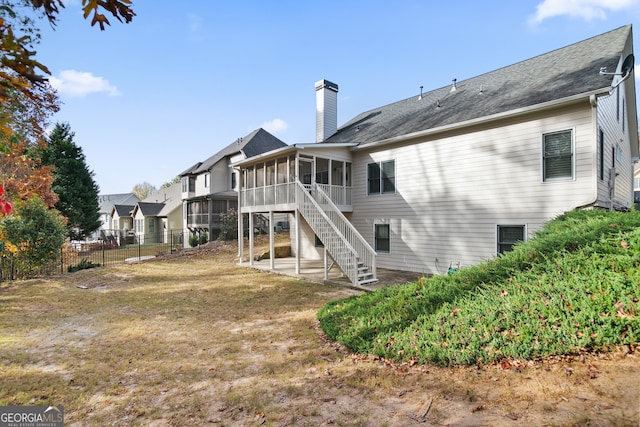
(382, 237)
(508, 236)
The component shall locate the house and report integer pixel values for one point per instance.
(210, 189)
(158, 218)
(106, 202)
(122, 225)
(458, 174)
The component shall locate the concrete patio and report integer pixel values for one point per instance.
(313, 271)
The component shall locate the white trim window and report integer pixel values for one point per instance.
(382, 237)
(207, 180)
(557, 156)
(509, 235)
(381, 177)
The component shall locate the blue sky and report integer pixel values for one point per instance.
(148, 99)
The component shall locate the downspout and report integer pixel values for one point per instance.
(593, 101)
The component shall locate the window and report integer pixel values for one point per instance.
(188, 184)
(381, 177)
(207, 180)
(382, 238)
(233, 180)
(509, 235)
(557, 161)
(282, 170)
(271, 173)
(322, 171)
(152, 225)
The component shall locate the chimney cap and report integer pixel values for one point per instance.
(322, 84)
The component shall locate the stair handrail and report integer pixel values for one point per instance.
(335, 211)
(307, 196)
(305, 200)
(357, 246)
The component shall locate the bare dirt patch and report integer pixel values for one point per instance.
(194, 339)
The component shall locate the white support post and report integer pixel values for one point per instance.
(251, 238)
(272, 246)
(326, 264)
(298, 241)
(240, 236)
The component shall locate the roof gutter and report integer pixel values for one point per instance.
(494, 117)
(291, 149)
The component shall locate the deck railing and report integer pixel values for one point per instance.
(285, 194)
(278, 194)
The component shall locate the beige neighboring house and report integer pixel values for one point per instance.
(457, 174)
(106, 203)
(158, 218)
(122, 225)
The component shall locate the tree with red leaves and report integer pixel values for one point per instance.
(5, 205)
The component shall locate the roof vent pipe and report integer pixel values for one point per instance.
(326, 109)
(420, 97)
(454, 87)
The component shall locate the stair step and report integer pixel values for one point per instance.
(365, 282)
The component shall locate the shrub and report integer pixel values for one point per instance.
(35, 232)
(203, 238)
(572, 288)
(82, 265)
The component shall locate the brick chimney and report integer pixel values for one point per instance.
(326, 109)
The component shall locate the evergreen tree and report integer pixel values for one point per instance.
(73, 182)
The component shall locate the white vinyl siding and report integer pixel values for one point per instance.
(615, 190)
(452, 190)
(220, 176)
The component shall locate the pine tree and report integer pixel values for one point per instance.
(73, 182)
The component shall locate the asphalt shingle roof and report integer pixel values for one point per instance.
(257, 142)
(150, 209)
(559, 74)
(123, 210)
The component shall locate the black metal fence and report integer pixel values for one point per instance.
(102, 252)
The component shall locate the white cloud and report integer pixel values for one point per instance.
(275, 125)
(78, 84)
(584, 9)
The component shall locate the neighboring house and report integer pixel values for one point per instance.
(106, 203)
(122, 225)
(209, 188)
(158, 218)
(459, 174)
